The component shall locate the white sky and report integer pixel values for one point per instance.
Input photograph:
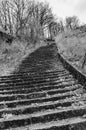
(63, 8)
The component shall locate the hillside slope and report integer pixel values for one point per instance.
(12, 55)
(72, 45)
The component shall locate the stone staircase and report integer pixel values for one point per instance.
(42, 95)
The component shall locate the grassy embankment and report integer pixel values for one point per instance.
(72, 45)
(12, 55)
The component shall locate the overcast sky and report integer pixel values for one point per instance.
(63, 8)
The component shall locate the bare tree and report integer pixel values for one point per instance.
(24, 18)
(72, 22)
(43, 16)
(60, 26)
(53, 27)
(19, 11)
(3, 14)
(75, 22)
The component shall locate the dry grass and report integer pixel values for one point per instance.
(72, 44)
(12, 55)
